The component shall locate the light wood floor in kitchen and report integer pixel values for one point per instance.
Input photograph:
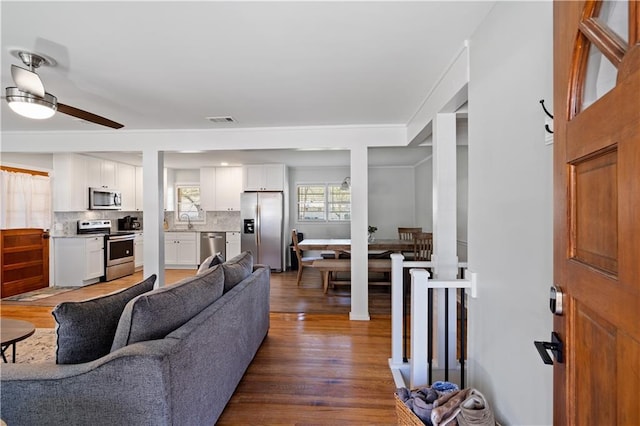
(315, 366)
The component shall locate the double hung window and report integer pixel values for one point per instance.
(323, 203)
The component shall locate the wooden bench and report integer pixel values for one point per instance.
(327, 266)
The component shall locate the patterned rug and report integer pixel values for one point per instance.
(39, 347)
(39, 294)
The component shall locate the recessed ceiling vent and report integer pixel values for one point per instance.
(222, 119)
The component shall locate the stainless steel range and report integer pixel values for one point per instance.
(118, 248)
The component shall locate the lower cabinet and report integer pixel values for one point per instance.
(180, 250)
(71, 252)
(233, 245)
(138, 251)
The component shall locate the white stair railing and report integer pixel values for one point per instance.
(416, 370)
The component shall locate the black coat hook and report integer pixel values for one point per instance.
(546, 126)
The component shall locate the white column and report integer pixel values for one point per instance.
(153, 204)
(444, 225)
(397, 290)
(359, 243)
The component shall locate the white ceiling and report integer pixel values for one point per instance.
(168, 65)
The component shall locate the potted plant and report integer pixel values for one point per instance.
(371, 231)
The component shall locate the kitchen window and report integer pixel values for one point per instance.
(323, 203)
(188, 205)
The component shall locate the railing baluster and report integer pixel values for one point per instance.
(446, 335)
(463, 334)
(430, 334)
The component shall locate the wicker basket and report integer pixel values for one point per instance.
(406, 417)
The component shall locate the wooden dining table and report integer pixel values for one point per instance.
(338, 245)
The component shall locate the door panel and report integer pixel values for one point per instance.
(25, 261)
(596, 213)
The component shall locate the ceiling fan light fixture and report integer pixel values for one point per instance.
(30, 106)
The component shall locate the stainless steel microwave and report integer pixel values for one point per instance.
(104, 199)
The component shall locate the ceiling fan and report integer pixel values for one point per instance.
(29, 98)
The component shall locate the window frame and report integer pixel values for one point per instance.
(201, 216)
(326, 203)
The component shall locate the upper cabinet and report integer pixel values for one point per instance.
(74, 174)
(208, 189)
(70, 189)
(139, 193)
(264, 177)
(220, 188)
(101, 173)
(126, 184)
(228, 188)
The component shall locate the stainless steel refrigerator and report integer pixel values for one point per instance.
(262, 221)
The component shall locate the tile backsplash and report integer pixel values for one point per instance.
(65, 223)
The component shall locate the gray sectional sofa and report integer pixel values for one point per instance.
(176, 356)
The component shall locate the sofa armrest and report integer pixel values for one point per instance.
(257, 266)
(119, 388)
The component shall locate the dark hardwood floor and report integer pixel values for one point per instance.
(315, 366)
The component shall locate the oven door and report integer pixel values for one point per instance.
(119, 250)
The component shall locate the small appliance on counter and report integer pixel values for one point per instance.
(129, 223)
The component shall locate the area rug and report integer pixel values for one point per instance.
(39, 347)
(39, 294)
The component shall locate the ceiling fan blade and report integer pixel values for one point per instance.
(87, 116)
(27, 81)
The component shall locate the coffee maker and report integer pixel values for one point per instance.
(129, 223)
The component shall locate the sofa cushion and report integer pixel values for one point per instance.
(159, 312)
(86, 329)
(237, 269)
(210, 262)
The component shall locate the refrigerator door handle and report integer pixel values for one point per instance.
(258, 227)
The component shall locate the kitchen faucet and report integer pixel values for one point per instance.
(189, 225)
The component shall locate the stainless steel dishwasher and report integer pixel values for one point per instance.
(213, 243)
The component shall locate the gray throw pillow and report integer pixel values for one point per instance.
(210, 262)
(86, 329)
(237, 269)
(155, 314)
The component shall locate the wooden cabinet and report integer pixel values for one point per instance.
(180, 249)
(138, 251)
(264, 177)
(126, 184)
(233, 245)
(70, 188)
(228, 188)
(220, 188)
(71, 252)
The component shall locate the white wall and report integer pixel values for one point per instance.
(34, 161)
(391, 199)
(510, 210)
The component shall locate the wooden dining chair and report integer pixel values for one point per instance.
(302, 260)
(405, 233)
(422, 245)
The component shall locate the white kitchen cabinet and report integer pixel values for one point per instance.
(208, 189)
(233, 245)
(220, 188)
(228, 188)
(70, 188)
(139, 193)
(71, 252)
(138, 251)
(264, 177)
(180, 250)
(94, 259)
(101, 173)
(126, 184)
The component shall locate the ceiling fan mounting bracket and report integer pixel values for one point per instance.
(33, 60)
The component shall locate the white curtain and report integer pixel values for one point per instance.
(25, 202)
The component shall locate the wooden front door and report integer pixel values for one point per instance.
(597, 211)
(25, 261)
